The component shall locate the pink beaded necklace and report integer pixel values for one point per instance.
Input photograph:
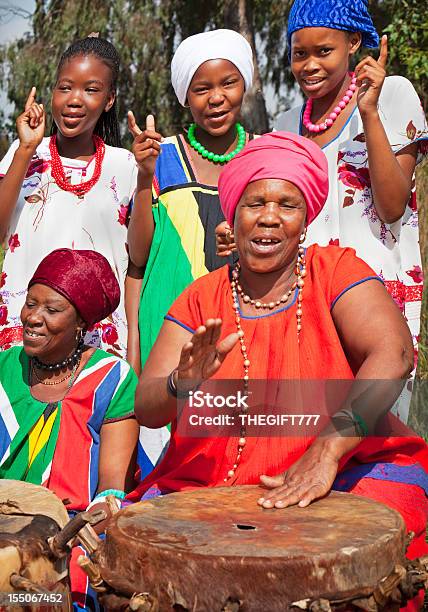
(324, 125)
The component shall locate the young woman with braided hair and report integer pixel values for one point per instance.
(69, 190)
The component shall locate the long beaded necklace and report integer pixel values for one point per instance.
(324, 125)
(236, 289)
(58, 173)
(217, 159)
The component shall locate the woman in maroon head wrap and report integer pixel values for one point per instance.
(284, 313)
(68, 409)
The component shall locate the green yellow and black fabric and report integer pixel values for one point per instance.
(186, 214)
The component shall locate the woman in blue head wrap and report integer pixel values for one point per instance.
(372, 132)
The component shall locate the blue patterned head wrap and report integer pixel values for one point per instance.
(349, 15)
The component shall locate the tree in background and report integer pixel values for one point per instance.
(146, 33)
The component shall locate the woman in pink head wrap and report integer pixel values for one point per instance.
(285, 312)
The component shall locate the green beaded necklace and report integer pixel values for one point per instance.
(217, 159)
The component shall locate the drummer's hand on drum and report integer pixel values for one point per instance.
(225, 240)
(202, 356)
(309, 478)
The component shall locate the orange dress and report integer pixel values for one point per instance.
(389, 469)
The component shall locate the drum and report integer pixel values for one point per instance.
(215, 550)
(32, 574)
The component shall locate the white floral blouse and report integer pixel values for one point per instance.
(48, 218)
(349, 218)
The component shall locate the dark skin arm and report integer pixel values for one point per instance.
(196, 356)
(146, 149)
(31, 129)
(377, 340)
(118, 447)
(133, 285)
(390, 174)
(118, 453)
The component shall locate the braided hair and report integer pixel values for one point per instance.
(107, 126)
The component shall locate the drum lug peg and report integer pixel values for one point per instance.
(143, 602)
(318, 605)
(20, 583)
(416, 578)
(89, 539)
(177, 600)
(112, 504)
(232, 605)
(409, 537)
(59, 542)
(93, 573)
(388, 585)
(302, 604)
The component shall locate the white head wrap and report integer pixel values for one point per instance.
(197, 49)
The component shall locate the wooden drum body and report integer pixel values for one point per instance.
(29, 516)
(214, 549)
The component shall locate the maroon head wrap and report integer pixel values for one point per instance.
(84, 278)
(278, 155)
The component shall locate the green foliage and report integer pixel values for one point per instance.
(408, 43)
(146, 33)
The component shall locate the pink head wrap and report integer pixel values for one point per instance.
(278, 155)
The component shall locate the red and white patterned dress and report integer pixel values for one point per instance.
(48, 218)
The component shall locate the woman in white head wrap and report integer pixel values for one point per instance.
(173, 235)
(196, 50)
(175, 238)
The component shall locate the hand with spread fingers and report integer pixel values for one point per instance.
(225, 239)
(308, 479)
(371, 74)
(146, 146)
(30, 124)
(202, 356)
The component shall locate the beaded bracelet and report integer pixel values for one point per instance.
(173, 390)
(115, 492)
(357, 421)
(360, 425)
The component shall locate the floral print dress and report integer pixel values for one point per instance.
(47, 218)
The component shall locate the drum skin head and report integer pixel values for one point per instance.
(201, 549)
(18, 497)
(29, 515)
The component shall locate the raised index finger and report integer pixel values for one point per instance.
(150, 123)
(132, 125)
(31, 98)
(383, 56)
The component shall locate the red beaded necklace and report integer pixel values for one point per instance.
(58, 169)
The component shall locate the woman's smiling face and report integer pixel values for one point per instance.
(81, 94)
(320, 58)
(269, 221)
(215, 96)
(50, 323)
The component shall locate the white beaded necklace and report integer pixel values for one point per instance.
(300, 272)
